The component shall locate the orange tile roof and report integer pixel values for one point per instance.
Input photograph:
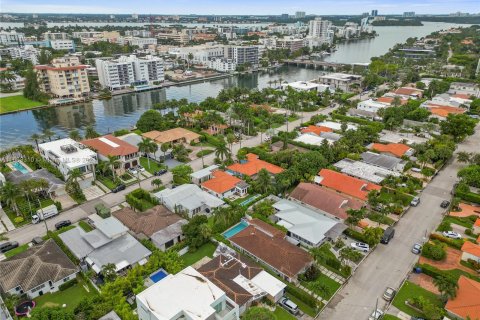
(116, 147)
(253, 166)
(467, 302)
(472, 248)
(477, 223)
(221, 182)
(389, 100)
(346, 184)
(408, 91)
(171, 135)
(444, 111)
(396, 149)
(316, 130)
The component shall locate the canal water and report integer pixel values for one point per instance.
(123, 111)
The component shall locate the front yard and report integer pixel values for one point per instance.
(16, 251)
(70, 297)
(154, 165)
(329, 288)
(409, 291)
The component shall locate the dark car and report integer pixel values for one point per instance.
(160, 172)
(387, 235)
(9, 245)
(445, 204)
(61, 224)
(37, 240)
(118, 188)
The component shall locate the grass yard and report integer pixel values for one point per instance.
(283, 314)
(390, 317)
(303, 306)
(71, 297)
(329, 283)
(85, 226)
(410, 290)
(207, 249)
(466, 222)
(203, 153)
(154, 165)
(107, 182)
(17, 103)
(16, 251)
(387, 197)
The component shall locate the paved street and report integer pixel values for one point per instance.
(389, 264)
(26, 233)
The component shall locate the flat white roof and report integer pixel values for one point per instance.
(364, 170)
(303, 85)
(268, 283)
(187, 291)
(336, 125)
(311, 139)
(204, 172)
(79, 156)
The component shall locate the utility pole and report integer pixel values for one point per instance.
(43, 217)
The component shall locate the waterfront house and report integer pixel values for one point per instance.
(39, 270)
(173, 136)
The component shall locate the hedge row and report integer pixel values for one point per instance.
(308, 299)
(354, 234)
(140, 199)
(468, 196)
(436, 273)
(448, 241)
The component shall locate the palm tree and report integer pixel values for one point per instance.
(48, 134)
(74, 175)
(35, 137)
(230, 140)
(463, 156)
(447, 288)
(112, 163)
(90, 133)
(164, 148)
(156, 182)
(9, 194)
(205, 230)
(75, 135)
(222, 152)
(263, 182)
(146, 146)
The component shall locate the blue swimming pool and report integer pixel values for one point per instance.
(250, 200)
(20, 167)
(158, 275)
(235, 229)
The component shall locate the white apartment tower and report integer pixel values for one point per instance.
(319, 28)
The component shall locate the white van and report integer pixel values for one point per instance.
(289, 305)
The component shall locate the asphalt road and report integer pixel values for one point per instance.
(27, 233)
(389, 264)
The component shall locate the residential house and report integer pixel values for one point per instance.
(172, 136)
(409, 93)
(476, 226)
(336, 126)
(313, 139)
(342, 81)
(328, 202)
(217, 128)
(371, 105)
(306, 226)
(188, 199)
(442, 112)
(243, 281)
(135, 139)
(465, 305)
(470, 251)
(39, 270)
(108, 243)
(56, 187)
(468, 88)
(306, 86)
(315, 130)
(185, 295)
(67, 155)
(252, 166)
(266, 244)
(394, 149)
(225, 185)
(345, 184)
(109, 145)
(364, 171)
(383, 161)
(158, 224)
(387, 136)
(202, 175)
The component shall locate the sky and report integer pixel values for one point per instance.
(243, 7)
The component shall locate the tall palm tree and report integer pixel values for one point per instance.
(146, 146)
(9, 194)
(222, 152)
(35, 137)
(156, 182)
(164, 148)
(447, 288)
(48, 134)
(75, 135)
(112, 163)
(90, 133)
(230, 140)
(74, 175)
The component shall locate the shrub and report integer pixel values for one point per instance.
(457, 244)
(354, 234)
(18, 220)
(468, 196)
(302, 295)
(444, 226)
(140, 199)
(58, 204)
(434, 251)
(68, 284)
(469, 232)
(311, 274)
(121, 132)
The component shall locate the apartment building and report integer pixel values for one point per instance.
(291, 43)
(120, 73)
(201, 54)
(55, 35)
(139, 42)
(27, 52)
(60, 44)
(181, 37)
(243, 54)
(138, 33)
(319, 28)
(64, 78)
(222, 64)
(12, 38)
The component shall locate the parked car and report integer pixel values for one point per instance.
(161, 172)
(389, 294)
(360, 246)
(387, 235)
(415, 201)
(452, 234)
(140, 168)
(289, 305)
(61, 224)
(445, 204)
(417, 248)
(118, 188)
(7, 246)
(37, 240)
(132, 170)
(376, 315)
(416, 170)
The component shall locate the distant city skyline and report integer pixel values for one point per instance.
(246, 7)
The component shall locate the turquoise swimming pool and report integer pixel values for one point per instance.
(235, 229)
(20, 167)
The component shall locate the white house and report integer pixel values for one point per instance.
(336, 126)
(371, 105)
(185, 295)
(306, 86)
(465, 88)
(203, 175)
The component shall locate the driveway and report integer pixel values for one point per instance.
(389, 264)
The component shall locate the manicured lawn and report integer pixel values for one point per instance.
(410, 290)
(206, 250)
(71, 297)
(283, 314)
(16, 251)
(85, 226)
(107, 182)
(203, 153)
(331, 284)
(14, 103)
(464, 222)
(387, 196)
(154, 165)
(302, 305)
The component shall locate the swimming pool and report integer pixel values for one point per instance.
(20, 167)
(235, 229)
(158, 275)
(250, 200)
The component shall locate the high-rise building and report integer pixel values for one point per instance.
(374, 13)
(243, 54)
(55, 35)
(318, 28)
(409, 14)
(300, 14)
(12, 38)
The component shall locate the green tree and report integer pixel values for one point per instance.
(258, 313)
(354, 216)
(35, 137)
(9, 194)
(263, 183)
(458, 126)
(447, 287)
(44, 57)
(90, 133)
(55, 313)
(47, 134)
(75, 135)
(147, 146)
(181, 174)
(463, 156)
(164, 148)
(197, 232)
(222, 152)
(156, 182)
(113, 163)
(109, 272)
(32, 87)
(372, 236)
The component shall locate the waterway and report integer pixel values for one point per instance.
(123, 111)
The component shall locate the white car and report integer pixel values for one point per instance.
(140, 168)
(360, 246)
(452, 234)
(376, 314)
(132, 170)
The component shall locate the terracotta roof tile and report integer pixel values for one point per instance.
(316, 129)
(110, 146)
(253, 165)
(472, 248)
(389, 100)
(346, 184)
(171, 135)
(477, 223)
(326, 200)
(396, 149)
(407, 91)
(467, 302)
(444, 111)
(221, 182)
